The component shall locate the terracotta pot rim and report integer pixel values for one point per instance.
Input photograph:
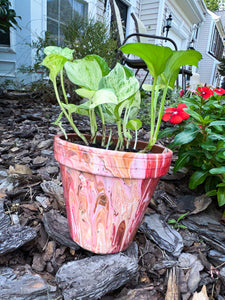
(156, 149)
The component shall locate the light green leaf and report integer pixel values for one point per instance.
(197, 178)
(66, 52)
(87, 72)
(134, 124)
(221, 196)
(117, 80)
(71, 108)
(103, 96)
(85, 93)
(220, 170)
(172, 221)
(55, 63)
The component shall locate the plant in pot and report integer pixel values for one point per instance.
(107, 188)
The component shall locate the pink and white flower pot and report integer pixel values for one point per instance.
(107, 192)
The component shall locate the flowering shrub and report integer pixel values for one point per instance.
(199, 136)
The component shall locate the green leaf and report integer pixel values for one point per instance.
(172, 221)
(217, 123)
(103, 96)
(71, 108)
(215, 136)
(168, 131)
(221, 196)
(182, 216)
(123, 85)
(208, 145)
(222, 184)
(87, 72)
(154, 56)
(197, 178)
(179, 59)
(211, 193)
(185, 137)
(55, 63)
(134, 124)
(66, 52)
(182, 160)
(194, 115)
(220, 170)
(85, 93)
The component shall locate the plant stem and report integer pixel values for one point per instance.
(154, 97)
(93, 125)
(103, 126)
(119, 144)
(160, 115)
(69, 118)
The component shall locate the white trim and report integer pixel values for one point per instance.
(160, 19)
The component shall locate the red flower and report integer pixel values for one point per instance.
(204, 91)
(219, 91)
(181, 93)
(176, 115)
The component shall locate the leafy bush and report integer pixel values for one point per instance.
(7, 16)
(199, 123)
(88, 36)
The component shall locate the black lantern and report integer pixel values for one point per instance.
(168, 24)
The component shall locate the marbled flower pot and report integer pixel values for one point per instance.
(107, 192)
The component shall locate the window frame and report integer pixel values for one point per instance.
(216, 46)
(61, 23)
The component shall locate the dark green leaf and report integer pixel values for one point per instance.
(197, 178)
(221, 196)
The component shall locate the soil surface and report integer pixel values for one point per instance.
(184, 262)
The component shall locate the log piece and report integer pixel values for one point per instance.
(209, 229)
(57, 228)
(21, 284)
(162, 234)
(93, 277)
(14, 237)
(172, 292)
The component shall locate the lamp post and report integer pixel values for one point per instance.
(168, 24)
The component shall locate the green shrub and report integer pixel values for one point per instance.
(88, 36)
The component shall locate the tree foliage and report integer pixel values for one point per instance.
(7, 16)
(88, 36)
(212, 5)
(221, 67)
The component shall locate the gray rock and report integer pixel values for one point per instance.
(92, 278)
(162, 234)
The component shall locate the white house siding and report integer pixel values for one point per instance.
(208, 64)
(149, 14)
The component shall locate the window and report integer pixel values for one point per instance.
(4, 39)
(123, 13)
(61, 11)
(5, 36)
(216, 45)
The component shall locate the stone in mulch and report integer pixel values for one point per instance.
(91, 278)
